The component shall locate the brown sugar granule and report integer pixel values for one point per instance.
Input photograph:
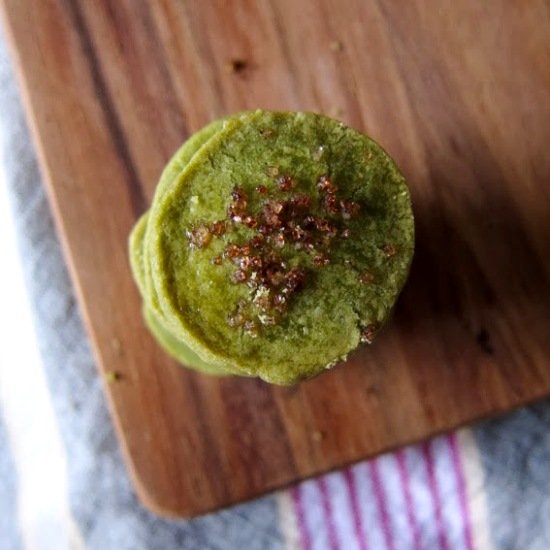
(366, 277)
(199, 237)
(349, 209)
(235, 320)
(368, 333)
(237, 208)
(389, 250)
(325, 184)
(320, 260)
(285, 183)
(262, 189)
(217, 228)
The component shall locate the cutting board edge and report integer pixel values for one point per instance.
(47, 176)
(169, 512)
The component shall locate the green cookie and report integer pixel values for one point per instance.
(275, 245)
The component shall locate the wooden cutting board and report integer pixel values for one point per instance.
(457, 92)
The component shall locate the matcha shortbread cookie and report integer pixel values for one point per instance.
(276, 243)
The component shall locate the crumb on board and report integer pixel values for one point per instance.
(336, 46)
(113, 376)
(317, 435)
(236, 66)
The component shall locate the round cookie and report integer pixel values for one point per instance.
(280, 246)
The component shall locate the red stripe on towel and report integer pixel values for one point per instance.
(409, 506)
(300, 512)
(434, 492)
(381, 502)
(359, 529)
(327, 509)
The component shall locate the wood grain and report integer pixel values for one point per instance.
(459, 94)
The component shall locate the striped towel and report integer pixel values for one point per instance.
(426, 496)
(63, 484)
